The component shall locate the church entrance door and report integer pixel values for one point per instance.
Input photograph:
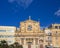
(29, 44)
(41, 45)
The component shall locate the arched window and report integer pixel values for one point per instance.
(29, 27)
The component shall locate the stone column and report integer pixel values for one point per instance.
(34, 41)
(38, 41)
(20, 40)
(24, 41)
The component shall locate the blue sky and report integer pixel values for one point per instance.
(12, 12)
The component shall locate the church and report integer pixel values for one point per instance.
(29, 34)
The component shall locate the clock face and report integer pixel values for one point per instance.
(29, 27)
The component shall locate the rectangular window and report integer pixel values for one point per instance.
(10, 36)
(56, 27)
(10, 30)
(2, 30)
(6, 30)
(6, 36)
(1, 36)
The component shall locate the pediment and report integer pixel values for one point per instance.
(30, 21)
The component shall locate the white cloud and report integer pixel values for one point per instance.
(57, 12)
(23, 3)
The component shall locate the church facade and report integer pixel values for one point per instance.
(30, 35)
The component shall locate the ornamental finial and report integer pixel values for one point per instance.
(29, 17)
